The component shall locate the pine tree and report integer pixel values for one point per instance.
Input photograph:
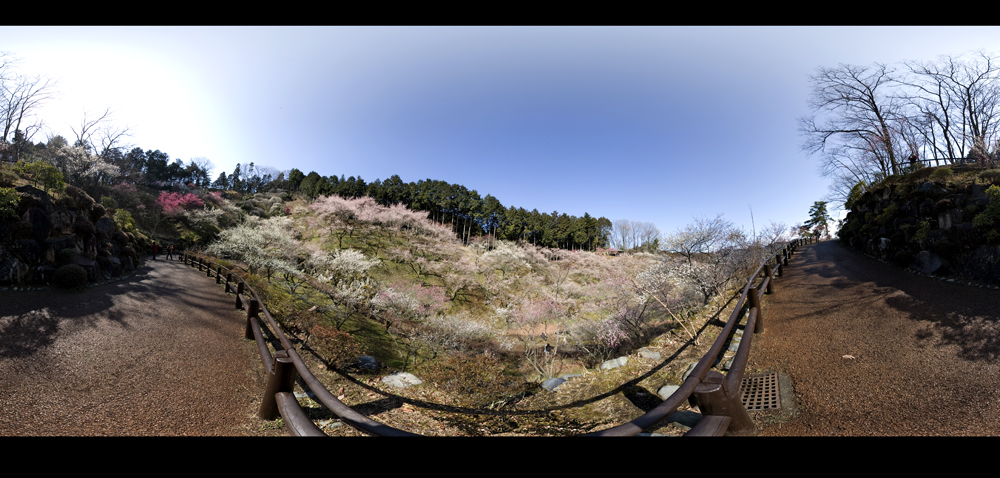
(819, 219)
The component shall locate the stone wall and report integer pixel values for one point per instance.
(52, 233)
(926, 226)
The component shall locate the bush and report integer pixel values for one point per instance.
(8, 203)
(65, 256)
(339, 349)
(109, 202)
(7, 178)
(475, 380)
(123, 219)
(81, 199)
(990, 176)
(988, 221)
(941, 175)
(70, 276)
(97, 212)
(40, 172)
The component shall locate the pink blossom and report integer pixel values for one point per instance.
(176, 203)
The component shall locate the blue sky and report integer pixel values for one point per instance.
(654, 124)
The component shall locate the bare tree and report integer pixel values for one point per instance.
(87, 129)
(856, 120)
(958, 100)
(20, 96)
(702, 237)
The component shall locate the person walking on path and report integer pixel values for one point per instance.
(156, 248)
(170, 252)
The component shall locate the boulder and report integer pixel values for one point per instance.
(33, 197)
(115, 269)
(401, 380)
(12, 270)
(649, 354)
(667, 390)
(40, 225)
(89, 265)
(105, 225)
(43, 275)
(614, 363)
(552, 383)
(984, 264)
(365, 362)
(62, 220)
(927, 262)
(53, 245)
(29, 251)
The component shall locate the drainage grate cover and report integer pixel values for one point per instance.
(760, 392)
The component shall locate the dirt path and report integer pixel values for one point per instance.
(925, 352)
(159, 353)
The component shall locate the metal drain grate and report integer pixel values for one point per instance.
(760, 392)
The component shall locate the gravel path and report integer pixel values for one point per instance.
(925, 352)
(159, 353)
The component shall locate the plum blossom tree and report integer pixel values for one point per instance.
(174, 204)
(260, 244)
(343, 277)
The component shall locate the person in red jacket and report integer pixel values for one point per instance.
(156, 248)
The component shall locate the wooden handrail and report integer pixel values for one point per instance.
(699, 376)
(279, 399)
(721, 390)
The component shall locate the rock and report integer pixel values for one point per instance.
(690, 369)
(89, 265)
(552, 383)
(34, 197)
(62, 220)
(928, 263)
(106, 225)
(667, 390)
(401, 380)
(649, 354)
(12, 270)
(614, 363)
(43, 275)
(728, 365)
(52, 246)
(116, 269)
(984, 264)
(40, 226)
(29, 251)
(365, 362)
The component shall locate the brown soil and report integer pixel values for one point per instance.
(872, 349)
(158, 353)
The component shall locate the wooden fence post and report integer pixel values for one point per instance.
(239, 290)
(714, 399)
(755, 303)
(770, 278)
(218, 275)
(253, 312)
(281, 378)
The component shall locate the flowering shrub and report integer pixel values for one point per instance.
(176, 203)
(214, 198)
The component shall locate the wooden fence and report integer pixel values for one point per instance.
(715, 394)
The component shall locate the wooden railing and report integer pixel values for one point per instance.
(284, 364)
(715, 394)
